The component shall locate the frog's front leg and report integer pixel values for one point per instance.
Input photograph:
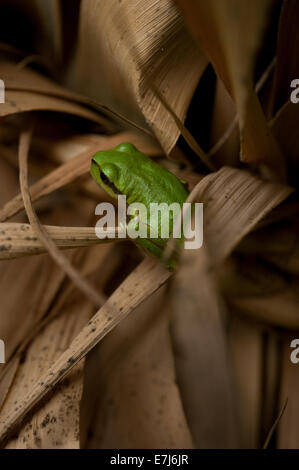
(142, 233)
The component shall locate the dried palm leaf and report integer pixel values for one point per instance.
(230, 32)
(149, 45)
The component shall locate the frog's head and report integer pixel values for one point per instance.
(109, 167)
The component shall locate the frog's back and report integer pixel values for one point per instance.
(141, 178)
(150, 179)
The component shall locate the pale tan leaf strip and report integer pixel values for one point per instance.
(17, 239)
(160, 47)
(82, 100)
(61, 412)
(34, 88)
(139, 285)
(47, 279)
(151, 80)
(24, 101)
(261, 82)
(234, 202)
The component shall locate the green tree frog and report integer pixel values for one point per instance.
(124, 170)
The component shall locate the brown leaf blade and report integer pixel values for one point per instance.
(201, 356)
(160, 50)
(142, 282)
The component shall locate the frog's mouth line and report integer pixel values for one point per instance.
(108, 183)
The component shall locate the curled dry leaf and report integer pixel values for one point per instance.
(288, 431)
(235, 201)
(26, 90)
(149, 45)
(41, 233)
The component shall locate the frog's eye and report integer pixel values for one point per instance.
(109, 176)
(109, 173)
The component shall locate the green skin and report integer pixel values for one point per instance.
(125, 170)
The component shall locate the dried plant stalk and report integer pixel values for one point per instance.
(18, 240)
(56, 254)
(201, 355)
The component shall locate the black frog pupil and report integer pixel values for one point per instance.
(108, 183)
(104, 178)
